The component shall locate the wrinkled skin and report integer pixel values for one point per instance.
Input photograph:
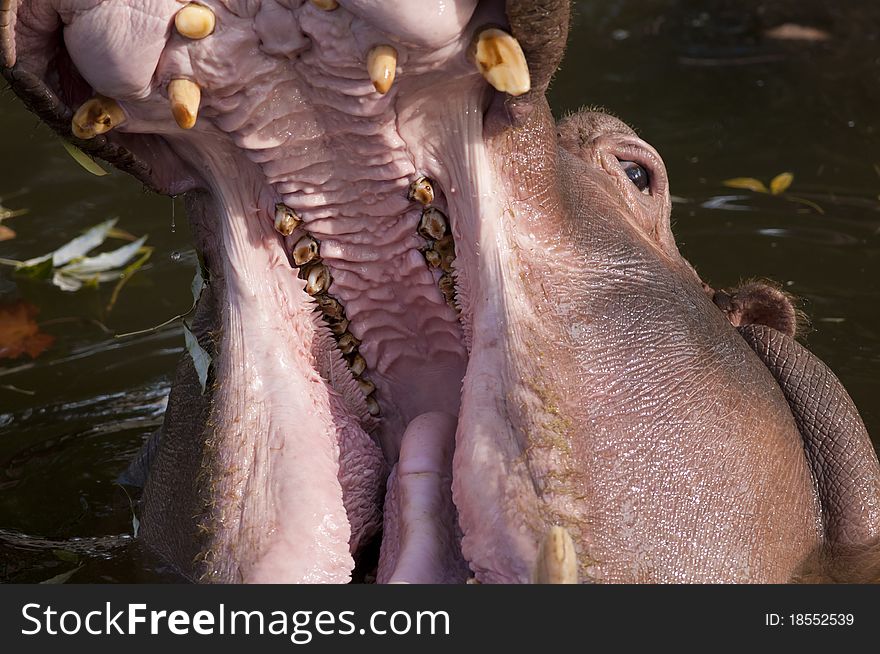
(583, 377)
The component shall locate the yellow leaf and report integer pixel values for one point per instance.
(748, 183)
(780, 183)
(83, 159)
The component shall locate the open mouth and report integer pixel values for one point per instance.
(350, 192)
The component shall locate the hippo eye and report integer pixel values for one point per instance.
(637, 174)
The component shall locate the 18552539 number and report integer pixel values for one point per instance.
(821, 619)
(809, 619)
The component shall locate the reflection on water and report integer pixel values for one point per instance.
(700, 79)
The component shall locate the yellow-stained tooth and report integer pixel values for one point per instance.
(501, 61)
(326, 5)
(195, 21)
(382, 66)
(96, 116)
(557, 559)
(185, 97)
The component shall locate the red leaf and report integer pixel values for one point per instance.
(19, 332)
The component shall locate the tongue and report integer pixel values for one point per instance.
(421, 540)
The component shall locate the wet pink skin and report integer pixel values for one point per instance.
(583, 379)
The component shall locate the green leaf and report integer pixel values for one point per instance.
(39, 270)
(780, 183)
(84, 160)
(63, 578)
(201, 359)
(747, 183)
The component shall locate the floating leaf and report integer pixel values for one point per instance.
(198, 283)
(78, 247)
(748, 183)
(104, 262)
(780, 183)
(201, 359)
(63, 578)
(84, 160)
(6, 234)
(19, 332)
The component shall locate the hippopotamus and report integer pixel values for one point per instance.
(451, 339)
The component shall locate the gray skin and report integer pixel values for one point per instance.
(679, 434)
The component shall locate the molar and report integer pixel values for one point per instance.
(185, 97)
(381, 67)
(338, 326)
(326, 5)
(317, 277)
(433, 224)
(96, 116)
(348, 344)
(305, 251)
(373, 406)
(195, 21)
(501, 62)
(445, 250)
(447, 287)
(433, 258)
(421, 191)
(357, 363)
(367, 387)
(286, 219)
(330, 307)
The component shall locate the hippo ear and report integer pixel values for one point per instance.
(541, 27)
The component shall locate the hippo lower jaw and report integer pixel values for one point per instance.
(552, 383)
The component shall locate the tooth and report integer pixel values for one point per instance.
(358, 365)
(501, 61)
(326, 5)
(330, 307)
(433, 224)
(372, 406)
(185, 97)
(305, 251)
(96, 116)
(338, 327)
(432, 258)
(366, 386)
(445, 249)
(447, 287)
(195, 21)
(421, 191)
(317, 278)
(286, 219)
(382, 66)
(348, 343)
(557, 559)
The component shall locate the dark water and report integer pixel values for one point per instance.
(700, 81)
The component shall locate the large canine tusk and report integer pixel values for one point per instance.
(501, 61)
(557, 559)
